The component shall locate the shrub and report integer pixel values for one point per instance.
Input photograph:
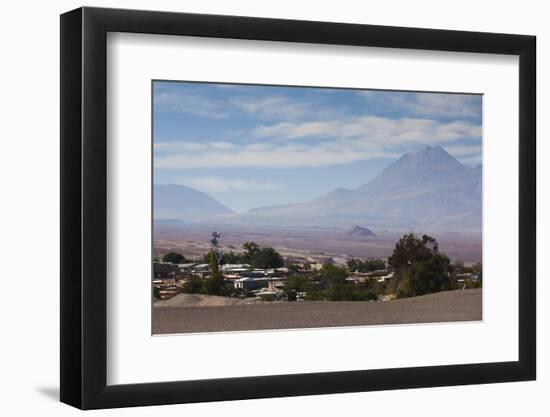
(174, 258)
(192, 285)
(298, 283)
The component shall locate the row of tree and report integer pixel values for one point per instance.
(330, 283)
(255, 256)
(356, 265)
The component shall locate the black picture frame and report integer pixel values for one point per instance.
(84, 207)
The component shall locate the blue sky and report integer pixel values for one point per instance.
(250, 146)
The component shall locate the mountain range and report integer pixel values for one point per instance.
(181, 203)
(428, 189)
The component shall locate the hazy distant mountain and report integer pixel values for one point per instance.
(360, 231)
(428, 189)
(177, 202)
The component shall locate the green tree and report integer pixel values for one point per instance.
(354, 264)
(262, 257)
(339, 289)
(250, 251)
(411, 249)
(174, 258)
(334, 274)
(193, 285)
(214, 285)
(267, 258)
(298, 283)
(428, 276)
(212, 261)
(419, 267)
(231, 258)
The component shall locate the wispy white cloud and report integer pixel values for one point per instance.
(185, 102)
(375, 130)
(427, 104)
(178, 146)
(287, 156)
(190, 146)
(219, 184)
(273, 107)
(313, 144)
(286, 131)
(262, 107)
(463, 150)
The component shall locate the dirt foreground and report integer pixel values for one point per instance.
(188, 313)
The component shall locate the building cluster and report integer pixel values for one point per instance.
(269, 283)
(170, 278)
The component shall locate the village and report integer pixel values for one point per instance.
(245, 281)
(274, 279)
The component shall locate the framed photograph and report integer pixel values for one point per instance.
(257, 208)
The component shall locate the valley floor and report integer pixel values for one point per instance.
(205, 316)
(193, 241)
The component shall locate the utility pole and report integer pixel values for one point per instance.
(216, 246)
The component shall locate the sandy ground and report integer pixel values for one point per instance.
(199, 300)
(459, 305)
(194, 241)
